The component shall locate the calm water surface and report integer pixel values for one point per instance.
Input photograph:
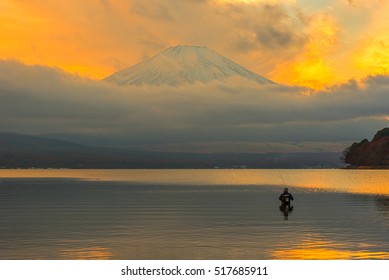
(193, 214)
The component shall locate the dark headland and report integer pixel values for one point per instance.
(367, 154)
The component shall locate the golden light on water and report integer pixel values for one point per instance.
(337, 180)
(88, 253)
(327, 250)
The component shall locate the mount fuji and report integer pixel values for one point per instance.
(184, 65)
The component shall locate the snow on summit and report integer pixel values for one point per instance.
(183, 65)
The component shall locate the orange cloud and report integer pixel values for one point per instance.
(373, 56)
(313, 66)
(84, 37)
(345, 42)
(271, 2)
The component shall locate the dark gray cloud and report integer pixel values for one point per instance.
(106, 4)
(35, 99)
(265, 27)
(166, 10)
(276, 28)
(155, 11)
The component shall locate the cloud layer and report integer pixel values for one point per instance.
(39, 99)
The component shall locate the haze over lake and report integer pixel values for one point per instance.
(193, 214)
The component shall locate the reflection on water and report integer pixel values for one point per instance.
(383, 203)
(354, 181)
(286, 211)
(94, 253)
(193, 214)
(327, 250)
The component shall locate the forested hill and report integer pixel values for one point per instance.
(374, 153)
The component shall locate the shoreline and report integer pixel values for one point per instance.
(366, 167)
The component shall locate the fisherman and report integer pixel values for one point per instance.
(285, 198)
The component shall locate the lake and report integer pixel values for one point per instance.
(193, 214)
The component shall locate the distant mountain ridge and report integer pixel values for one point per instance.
(184, 65)
(28, 151)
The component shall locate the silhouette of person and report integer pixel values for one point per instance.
(285, 198)
(285, 206)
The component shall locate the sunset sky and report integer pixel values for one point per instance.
(295, 42)
(329, 57)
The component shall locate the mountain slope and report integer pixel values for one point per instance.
(183, 65)
(25, 151)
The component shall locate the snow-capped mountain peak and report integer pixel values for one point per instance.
(183, 65)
